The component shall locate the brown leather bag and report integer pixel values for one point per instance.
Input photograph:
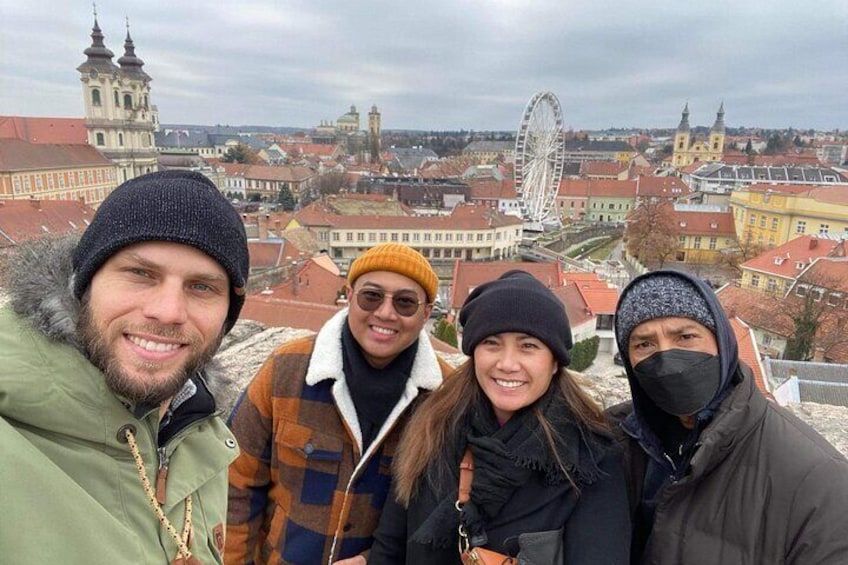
(474, 555)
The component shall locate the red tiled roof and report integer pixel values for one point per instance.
(469, 275)
(63, 131)
(279, 313)
(311, 283)
(601, 188)
(576, 307)
(782, 261)
(755, 310)
(490, 188)
(748, 351)
(463, 217)
(662, 187)
(602, 168)
(601, 298)
(828, 272)
(705, 223)
(23, 220)
(17, 155)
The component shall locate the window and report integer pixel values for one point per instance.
(774, 224)
(448, 237)
(833, 299)
(349, 236)
(416, 237)
(801, 227)
(712, 243)
(405, 237)
(38, 185)
(801, 290)
(824, 228)
(489, 236)
(117, 98)
(697, 243)
(752, 220)
(762, 221)
(360, 236)
(95, 97)
(771, 285)
(755, 281)
(681, 240)
(459, 237)
(383, 236)
(394, 236)
(428, 236)
(438, 237)
(336, 236)
(817, 294)
(127, 101)
(479, 237)
(372, 237)
(101, 140)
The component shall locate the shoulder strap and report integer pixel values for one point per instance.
(466, 476)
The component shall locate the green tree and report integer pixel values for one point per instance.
(240, 153)
(583, 353)
(446, 332)
(285, 199)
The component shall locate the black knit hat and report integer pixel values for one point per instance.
(516, 302)
(176, 206)
(659, 294)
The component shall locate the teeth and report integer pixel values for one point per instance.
(384, 331)
(509, 384)
(152, 345)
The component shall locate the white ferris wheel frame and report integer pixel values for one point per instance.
(539, 158)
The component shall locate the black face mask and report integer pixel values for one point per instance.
(679, 382)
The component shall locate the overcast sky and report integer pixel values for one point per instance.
(446, 64)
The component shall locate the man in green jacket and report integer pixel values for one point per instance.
(112, 450)
(718, 474)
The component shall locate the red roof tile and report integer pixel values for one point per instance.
(784, 260)
(17, 155)
(716, 224)
(44, 130)
(23, 220)
(469, 275)
(748, 351)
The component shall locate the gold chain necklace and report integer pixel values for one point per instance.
(183, 556)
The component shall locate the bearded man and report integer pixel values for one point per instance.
(113, 451)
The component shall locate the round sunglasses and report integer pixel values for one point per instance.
(405, 302)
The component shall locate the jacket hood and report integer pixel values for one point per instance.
(644, 409)
(40, 277)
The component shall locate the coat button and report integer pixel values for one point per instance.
(230, 442)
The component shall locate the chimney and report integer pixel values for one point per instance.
(814, 243)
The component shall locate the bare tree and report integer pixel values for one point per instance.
(651, 235)
(817, 324)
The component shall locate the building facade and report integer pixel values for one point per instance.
(688, 150)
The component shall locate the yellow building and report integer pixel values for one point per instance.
(704, 232)
(771, 215)
(688, 150)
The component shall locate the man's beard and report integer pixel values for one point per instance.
(138, 390)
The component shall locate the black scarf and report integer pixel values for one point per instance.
(505, 457)
(374, 392)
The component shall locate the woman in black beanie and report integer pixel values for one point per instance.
(543, 456)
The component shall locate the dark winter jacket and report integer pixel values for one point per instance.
(595, 524)
(751, 485)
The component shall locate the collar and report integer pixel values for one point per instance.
(327, 358)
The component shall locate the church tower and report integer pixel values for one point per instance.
(681, 140)
(716, 147)
(374, 132)
(118, 114)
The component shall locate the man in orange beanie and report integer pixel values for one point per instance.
(319, 423)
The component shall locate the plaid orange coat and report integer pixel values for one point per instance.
(300, 492)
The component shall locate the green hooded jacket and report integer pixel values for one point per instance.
(69, 488)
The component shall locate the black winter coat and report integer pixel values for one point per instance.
(596, 525)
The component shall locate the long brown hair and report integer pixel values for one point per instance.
(435, 423)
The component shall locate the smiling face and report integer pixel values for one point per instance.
(152, 316)
(514, 370)
(383, 334)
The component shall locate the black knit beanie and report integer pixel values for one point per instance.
(659, 294)
(177, 206)
(516, 302)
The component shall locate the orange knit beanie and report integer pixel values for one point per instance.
(397, 258)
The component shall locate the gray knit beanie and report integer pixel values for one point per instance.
(516, 302)
(177, 206)
(658, 295)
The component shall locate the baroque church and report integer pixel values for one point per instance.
(688, 150)
(119, 117)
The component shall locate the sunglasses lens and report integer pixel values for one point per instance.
(369, 300)
(406, 304)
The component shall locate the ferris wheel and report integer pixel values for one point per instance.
(539, 157)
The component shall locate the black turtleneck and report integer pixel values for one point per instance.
(375, 392)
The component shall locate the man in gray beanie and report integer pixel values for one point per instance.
(113, 451)
(717, 473)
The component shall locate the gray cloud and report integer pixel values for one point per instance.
(443, 64)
